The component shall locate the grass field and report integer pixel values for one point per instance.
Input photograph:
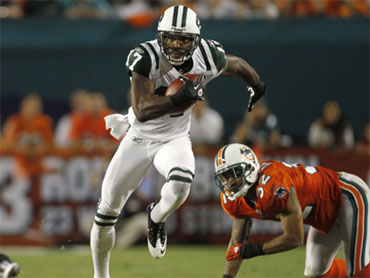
(180, 261)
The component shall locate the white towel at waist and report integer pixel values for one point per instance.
(118, 124)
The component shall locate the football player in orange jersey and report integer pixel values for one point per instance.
(335, 205)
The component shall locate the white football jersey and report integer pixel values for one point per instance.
(146, 59)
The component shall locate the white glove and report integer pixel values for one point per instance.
(118, 124)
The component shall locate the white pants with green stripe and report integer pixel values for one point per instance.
(350, 231)
(173, 159)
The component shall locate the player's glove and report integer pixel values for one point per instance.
(256, 93)
(191, 91)
(244, 251)
(234, 253)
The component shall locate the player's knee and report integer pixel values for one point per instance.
(105, 216)
(180, 176)
(312, 274)
(180, 180)
(315, 271)
(337, 270)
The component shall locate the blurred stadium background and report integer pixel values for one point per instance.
(307, 52)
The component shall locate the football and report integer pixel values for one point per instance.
(176, 86)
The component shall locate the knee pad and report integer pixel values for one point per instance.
(105, 215)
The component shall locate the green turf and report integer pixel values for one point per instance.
(180, 261)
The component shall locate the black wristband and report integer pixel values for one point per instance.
(251, 250)
(227, 276)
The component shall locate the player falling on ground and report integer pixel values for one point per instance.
(335, 204)
(157, 135)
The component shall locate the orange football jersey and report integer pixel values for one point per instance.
(317, 188)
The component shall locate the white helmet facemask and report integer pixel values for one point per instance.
(180, 24)
(237, 170)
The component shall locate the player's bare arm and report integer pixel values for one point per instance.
(239, 67)
(292, 225)
(145, 103)
(239, 235)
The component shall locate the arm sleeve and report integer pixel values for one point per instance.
(139, 61)
(218, 54)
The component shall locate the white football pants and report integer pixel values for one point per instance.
(350, 231)
(133, 159)
(173, 159)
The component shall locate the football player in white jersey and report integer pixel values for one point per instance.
(158, 135)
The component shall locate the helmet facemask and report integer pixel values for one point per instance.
(178, 34)
(233, 182)
(184, 46)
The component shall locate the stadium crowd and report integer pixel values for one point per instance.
(142, 13)
(30, 133)
(84, 126)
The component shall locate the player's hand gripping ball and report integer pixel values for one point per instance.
(185, 91)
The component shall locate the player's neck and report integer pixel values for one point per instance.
(185, 67)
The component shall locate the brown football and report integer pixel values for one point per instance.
(176, 86)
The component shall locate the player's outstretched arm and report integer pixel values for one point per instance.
(145, 103)
(292, 225)
(239, 235)
(239, 67)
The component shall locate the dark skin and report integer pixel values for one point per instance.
(291, 222)
(148, 106)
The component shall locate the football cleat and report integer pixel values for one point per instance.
(157, 235)
(8, 268)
